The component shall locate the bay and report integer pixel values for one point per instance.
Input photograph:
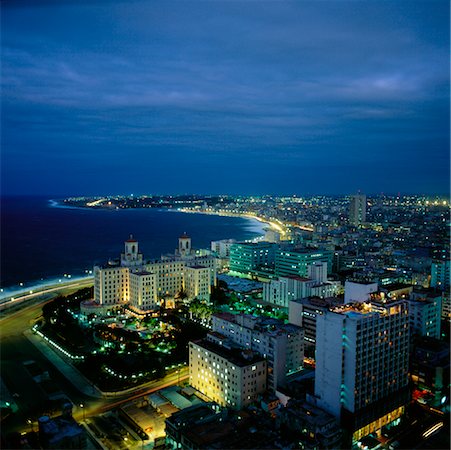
(40, 241)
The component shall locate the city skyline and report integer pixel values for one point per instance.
(301, 98)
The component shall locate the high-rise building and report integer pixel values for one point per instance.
(226, 374)
(281, 344)
(362, 363)
(357, 209)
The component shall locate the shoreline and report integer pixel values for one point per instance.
(243, 216)
(37, 287)
(21, 293)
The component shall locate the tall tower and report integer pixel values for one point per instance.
(184, 245)
(131, 256)
(362, 362)
(357, 209)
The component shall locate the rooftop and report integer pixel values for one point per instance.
(236, 356)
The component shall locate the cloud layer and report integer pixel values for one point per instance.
(225, 96)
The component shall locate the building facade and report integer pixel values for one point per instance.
(296, 262)
(227, 375)
(357, 209)
(144, 284)
(252, 259)
(425, 315)
(281, 344)
(362, 363)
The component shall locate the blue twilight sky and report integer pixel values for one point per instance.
(222, 96)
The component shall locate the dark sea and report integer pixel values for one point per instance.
(41, 240)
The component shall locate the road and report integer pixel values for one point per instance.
(54, 289)
(16, 349)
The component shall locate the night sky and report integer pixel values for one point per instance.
(240, 97)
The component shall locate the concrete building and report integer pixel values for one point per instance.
(357, 209)
(222, 248)
(252, 259)
(144, 284)
(303, 313)
(296, 262)
(425, 315)
(359, 291)
(197, 282)
(362, 363)
(285, 289)
(280, 292)
(318, 429)
(131, 256)
(440, 274)
(225, 373)
(111, 285)
(281, 344)
(143, 290)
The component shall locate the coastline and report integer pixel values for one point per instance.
(243, 216)
(255, 226)
(22, 293)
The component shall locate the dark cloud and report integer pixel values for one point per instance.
(272, 95)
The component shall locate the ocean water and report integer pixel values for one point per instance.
(41, 241)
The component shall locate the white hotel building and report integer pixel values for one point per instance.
(145, 284)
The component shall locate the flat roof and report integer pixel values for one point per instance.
(234, 355)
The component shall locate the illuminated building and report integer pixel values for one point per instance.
(359, 291)
(225, 373)
(144, 284)
(357, 209)
(296, 262)
(222, 248)
(281, 344)
(111, 284)
(303, 312)
(197, 282)
(362, 362)
(143, 290)
(280, 292)
(252, 259)
(131, 256)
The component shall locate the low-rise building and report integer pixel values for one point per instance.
(314, 427)
(225, 373)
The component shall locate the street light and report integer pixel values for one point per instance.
(83, 408)
(30, 422)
